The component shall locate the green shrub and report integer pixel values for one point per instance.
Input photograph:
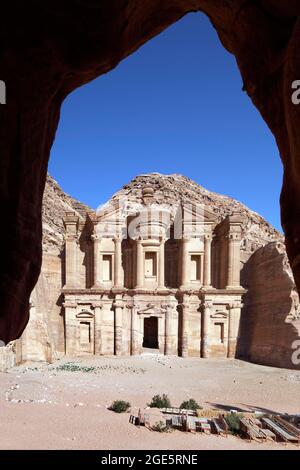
(161, 427)
(190, 404)
(233, 421)
(72, 367)
(160, 402)
(120, 406)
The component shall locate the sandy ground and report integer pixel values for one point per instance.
(42, 407)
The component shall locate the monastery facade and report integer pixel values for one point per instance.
(147, 276)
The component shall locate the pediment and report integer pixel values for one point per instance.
(151, 310)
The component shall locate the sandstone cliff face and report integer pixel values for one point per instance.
(55, 204)
(43, 338)
(271, 315)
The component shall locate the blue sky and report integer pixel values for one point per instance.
(175, 106)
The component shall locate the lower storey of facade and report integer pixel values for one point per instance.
(185, 323)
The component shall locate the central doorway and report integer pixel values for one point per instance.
(150, 333)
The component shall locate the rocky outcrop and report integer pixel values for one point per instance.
(55, 204)
(270, 323)
(43, 338)
(171, 189)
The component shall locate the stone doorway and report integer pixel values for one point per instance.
(150, 340)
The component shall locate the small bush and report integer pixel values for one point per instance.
(233, 421)
(120, 406)
(72, 367)
(161, 427)
(190, 404)
(160, 402)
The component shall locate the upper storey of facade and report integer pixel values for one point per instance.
(146, 245)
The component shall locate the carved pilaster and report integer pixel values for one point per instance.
(233, 327)
(98, 263)
(206, 312)
(233, 273)
(118, 306)
(98, 306)
(185, 329)
(185, 263)
(140, 269)
(207, 259)
(118, 281)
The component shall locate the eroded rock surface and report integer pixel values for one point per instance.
(270, 323)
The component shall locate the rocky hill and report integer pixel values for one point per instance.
(55, 204)
(170, 189)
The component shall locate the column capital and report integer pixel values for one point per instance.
(234, 236)
(95, 237)
(118, 304)
(208, 304)
(233, 305)
(97, 305)
(184, 305)
(70, 237)
(208, 236)
(167, 307)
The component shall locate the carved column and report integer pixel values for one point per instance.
(233, 327)
(207, 259)
(98, 327)
(71, 226)
(140, 270)
(70, 309)
(134, 332)
(168, 330)
(118, 281)
(206, 329)
(233, 273)
(118, 305)
(185, 263)
(98, 271)
(223, 262)
(185, 329)
(161, 278)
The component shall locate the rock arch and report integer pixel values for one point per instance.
(49, 48)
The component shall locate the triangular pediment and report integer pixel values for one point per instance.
(151, 310)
